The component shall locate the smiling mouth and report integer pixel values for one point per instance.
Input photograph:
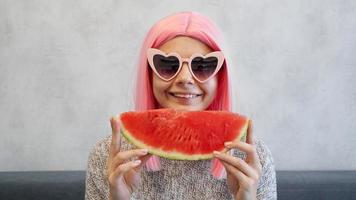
(185, 96)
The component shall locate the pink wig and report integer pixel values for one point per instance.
(193, 25)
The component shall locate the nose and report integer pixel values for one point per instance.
(184, 76)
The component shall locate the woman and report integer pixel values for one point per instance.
(118, 171)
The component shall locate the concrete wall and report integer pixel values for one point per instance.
(67, 66)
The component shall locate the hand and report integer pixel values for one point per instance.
(242, 176)
(123, 174)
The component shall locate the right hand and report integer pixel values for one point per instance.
(123, 174)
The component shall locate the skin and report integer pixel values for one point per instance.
(242, 175)
(184, 82)
(124, 175)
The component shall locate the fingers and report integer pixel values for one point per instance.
(143, 161)
(248, 147)
(249, 139)
(116, 137)
(145, 158)
(243, 180)
(239, 165)
(124, 168)
(252, 157)
(123, 156)
(232, 171)
(119, 170)
(251, 167)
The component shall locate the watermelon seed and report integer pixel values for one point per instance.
(184, 139)
(196, 137)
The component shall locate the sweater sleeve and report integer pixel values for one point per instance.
(96, 185)
(267, 189)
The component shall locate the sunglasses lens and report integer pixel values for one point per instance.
(203, 68)
(166, 67)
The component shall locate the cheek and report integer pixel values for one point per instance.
(210, 88)
(159, 86)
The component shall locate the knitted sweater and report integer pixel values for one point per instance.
(179, 180)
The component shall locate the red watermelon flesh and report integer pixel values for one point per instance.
(183, 135)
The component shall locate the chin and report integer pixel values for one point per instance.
(187, 107)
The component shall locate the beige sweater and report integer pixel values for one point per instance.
(181, 180)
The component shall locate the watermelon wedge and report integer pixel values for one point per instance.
(183, 135)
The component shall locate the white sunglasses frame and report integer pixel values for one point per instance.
(151, 52)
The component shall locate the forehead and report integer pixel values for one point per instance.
(185, 46)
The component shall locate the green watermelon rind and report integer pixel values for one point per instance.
(176, 155)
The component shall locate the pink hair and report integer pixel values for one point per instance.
(199, 27)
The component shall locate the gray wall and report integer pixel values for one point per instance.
(67, 66)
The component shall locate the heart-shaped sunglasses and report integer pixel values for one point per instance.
(168, 66)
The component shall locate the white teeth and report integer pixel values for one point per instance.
(188, 96)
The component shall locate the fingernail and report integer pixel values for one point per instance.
(216, 153)
(115, 119)
(144, 151)
(228, 143)
(137, 162)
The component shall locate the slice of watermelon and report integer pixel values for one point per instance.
(183, 135)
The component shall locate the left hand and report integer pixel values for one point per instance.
(242, 176)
